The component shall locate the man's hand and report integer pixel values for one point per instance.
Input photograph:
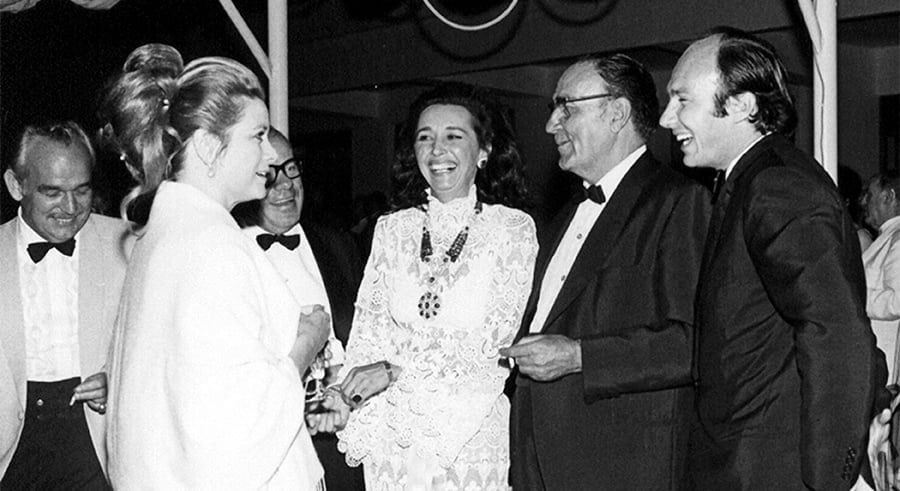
(545, 357)
(879, 450)
(333, 418)
(92, 391)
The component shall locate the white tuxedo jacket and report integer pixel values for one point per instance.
(101, 269)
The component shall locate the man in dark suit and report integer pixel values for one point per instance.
(320, 266)
(786, 362)
(603, 388)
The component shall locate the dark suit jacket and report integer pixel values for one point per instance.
(787, 363)
(622, 422)
(338, 259)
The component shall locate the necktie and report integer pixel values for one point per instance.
(595, 194)
(37, 250)
(290, 242)
(718, 184)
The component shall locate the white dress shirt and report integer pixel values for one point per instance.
(49, 292)
(570, 245)
(303, 279)
(882, 265)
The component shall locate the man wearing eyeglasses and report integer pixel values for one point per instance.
(603, 387)
(320, 266)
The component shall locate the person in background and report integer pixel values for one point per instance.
(319, 266)
(851, 189)
(209, 348)
(603, 388)
(882, 265)
(787, 366)
(61, 273)
(444, 288)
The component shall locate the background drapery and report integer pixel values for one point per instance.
(20, 5)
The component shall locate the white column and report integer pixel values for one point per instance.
(820, 17)
(825, 88)
(278, 56)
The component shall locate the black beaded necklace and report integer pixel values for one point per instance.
(430, 301)
(452, 253)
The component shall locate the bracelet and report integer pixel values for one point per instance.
(390, 370)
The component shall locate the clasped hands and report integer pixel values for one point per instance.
(545, 357)
(361, 383)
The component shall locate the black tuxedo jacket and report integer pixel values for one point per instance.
(786, 361)
(338, 259)
(622, 422)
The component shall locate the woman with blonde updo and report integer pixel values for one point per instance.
(209, 347)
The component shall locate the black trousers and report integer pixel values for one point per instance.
(55, 450)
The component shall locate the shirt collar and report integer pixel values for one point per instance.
(736, 159)
(609, 182)
(892, 222)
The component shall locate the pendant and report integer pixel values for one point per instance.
(429, 304)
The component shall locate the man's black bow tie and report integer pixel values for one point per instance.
(595, 194)
(290, 242)
(38, 250)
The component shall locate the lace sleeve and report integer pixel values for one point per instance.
(369, 341)
(512, 282)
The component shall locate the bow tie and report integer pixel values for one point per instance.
(593, 193)
(38, 250)
(290, 242)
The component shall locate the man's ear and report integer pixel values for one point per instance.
(619, 112)
(13, 185)
(741, 106)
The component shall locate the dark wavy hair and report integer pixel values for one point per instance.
(500, 181)
(749, 64)
(626, 77)
(154, 106)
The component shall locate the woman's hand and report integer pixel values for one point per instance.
(333, 417)
(312, 334)
(366, 381)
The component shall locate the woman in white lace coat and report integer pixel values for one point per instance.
(444, 288)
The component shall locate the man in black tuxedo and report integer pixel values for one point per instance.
(603, 385)
(320, 266)
(787, 366)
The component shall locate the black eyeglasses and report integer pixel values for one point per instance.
(292, 168)
(562, 102)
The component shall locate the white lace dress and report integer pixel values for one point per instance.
(443, 424)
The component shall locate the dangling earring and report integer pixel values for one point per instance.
(211, 172)
(481, 163)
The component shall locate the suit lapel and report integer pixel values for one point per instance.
(92, 289)
(12, 321)
(603, 235)
(549, 243)
(721, 206)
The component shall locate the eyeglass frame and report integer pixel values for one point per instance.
(282, 167)
(560, 102)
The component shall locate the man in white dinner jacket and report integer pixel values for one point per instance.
(61, 272)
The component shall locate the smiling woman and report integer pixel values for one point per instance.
(444, 289)
(208, 348)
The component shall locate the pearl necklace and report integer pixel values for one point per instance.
(430, 301)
